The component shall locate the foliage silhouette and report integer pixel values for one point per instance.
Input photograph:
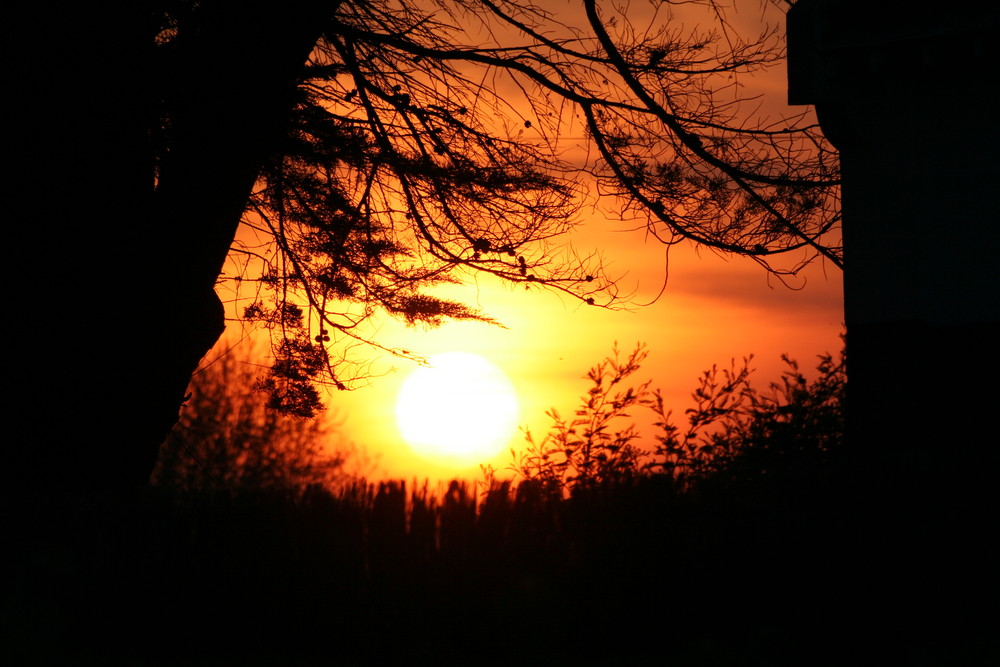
(398, 170)
(737, 430)
(587, 450)
(387, 148)
(228, 440)
(734, 431)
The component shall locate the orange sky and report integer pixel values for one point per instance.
(712, 310)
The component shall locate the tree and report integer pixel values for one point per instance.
(388, 183)
(227, 440)
(386, 146)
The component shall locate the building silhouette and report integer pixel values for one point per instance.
(907, 95)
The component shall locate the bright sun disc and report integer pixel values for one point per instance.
(458, 411)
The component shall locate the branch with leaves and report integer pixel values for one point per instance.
(596, 446)
(425, 143)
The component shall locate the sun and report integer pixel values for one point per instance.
(458, 410)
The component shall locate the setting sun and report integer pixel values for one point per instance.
(458, 410)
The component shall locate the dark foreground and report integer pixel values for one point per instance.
(809, 569)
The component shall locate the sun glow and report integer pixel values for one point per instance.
(458, 410)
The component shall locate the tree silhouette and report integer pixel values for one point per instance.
(398, 169)
(386, 147)
(227, 440)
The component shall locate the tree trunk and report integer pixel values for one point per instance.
(116, 276)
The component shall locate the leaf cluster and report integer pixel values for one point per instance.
(738, 432)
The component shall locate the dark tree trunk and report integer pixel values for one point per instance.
(114, 292)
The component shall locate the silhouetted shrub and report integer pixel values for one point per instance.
(595, 447)
(738, 432)
(227, 439)
(734, 430)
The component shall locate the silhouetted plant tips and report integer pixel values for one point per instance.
(595, 447)
(734, 430)
(227, 439)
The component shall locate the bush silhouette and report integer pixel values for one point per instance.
(227, 439)
(734, 432)
(595, 447)
(738, 431)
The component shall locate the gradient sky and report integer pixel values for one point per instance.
(713, 309)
